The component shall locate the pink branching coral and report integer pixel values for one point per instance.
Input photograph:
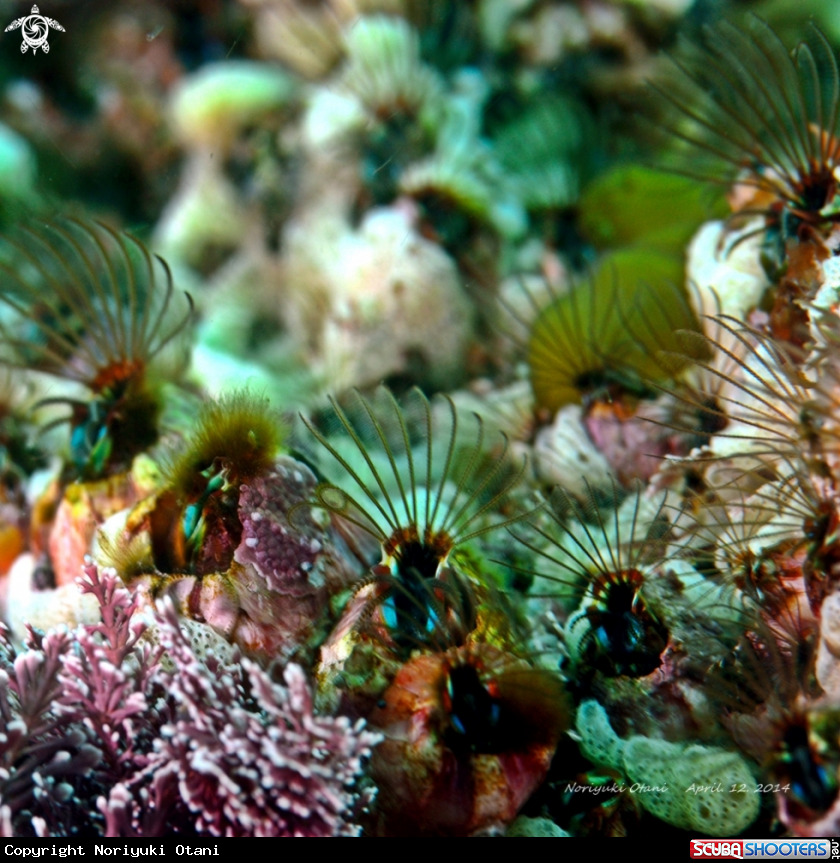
(41, 754)
(252, 758)
(162, 741)
(100, 689)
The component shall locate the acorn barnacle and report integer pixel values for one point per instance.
(195, 524)
(602, 339)
(420, 483)
(88, 304)
(762, 121)
(766, 696)
(484, 727)
(598, 554)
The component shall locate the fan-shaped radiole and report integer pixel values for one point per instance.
(415, 479)
(753, 114)
(600, 558)
(89, 304)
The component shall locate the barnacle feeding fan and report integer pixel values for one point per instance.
(397, 439)
(764, 117)
(422, 500)
(91, 305)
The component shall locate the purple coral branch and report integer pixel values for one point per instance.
(117, 605)
(98, 727)
(269, 768)
(101, 690)
(39, 748)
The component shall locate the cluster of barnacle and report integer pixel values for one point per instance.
(704, 633)
(265, 566)
(596, 599)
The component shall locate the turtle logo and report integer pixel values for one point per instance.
(35, 29)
